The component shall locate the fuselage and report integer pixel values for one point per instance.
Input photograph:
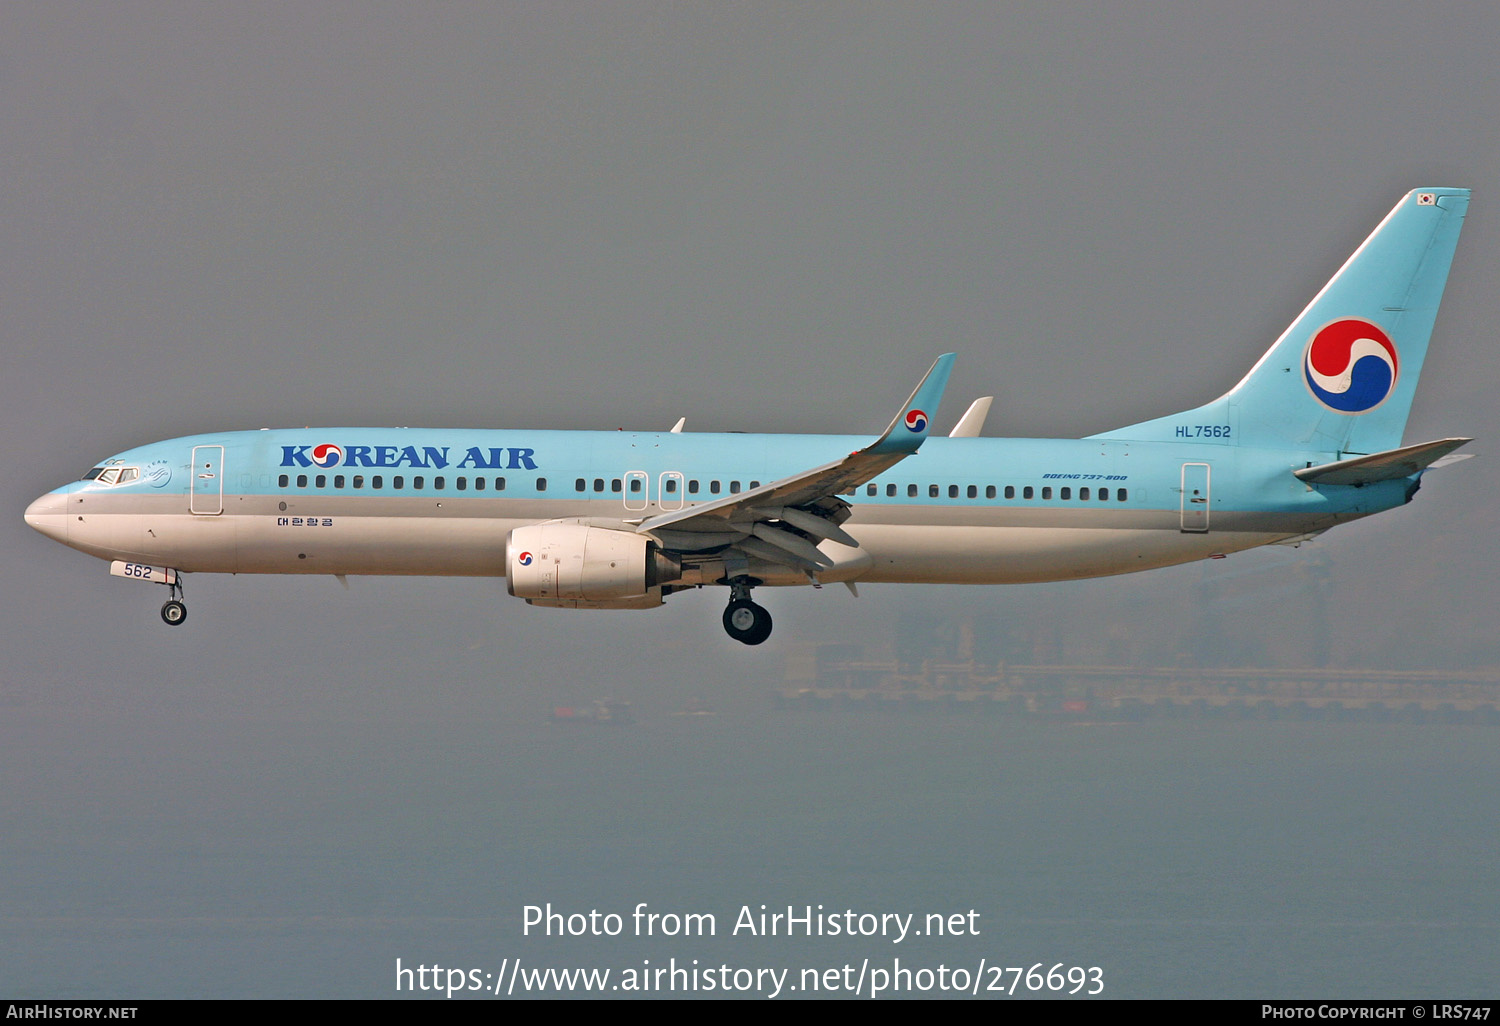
(441, 502)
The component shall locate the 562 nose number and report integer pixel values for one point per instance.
(143, 572)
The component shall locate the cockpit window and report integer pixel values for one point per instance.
(113, 475)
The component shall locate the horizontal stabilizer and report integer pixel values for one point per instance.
(1381, 466)
(1449, 460)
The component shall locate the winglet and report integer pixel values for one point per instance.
(909, 430)
(972, 422)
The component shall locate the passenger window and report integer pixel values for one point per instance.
(1104, 495)
(693, 486)
(973, 492)
(338, 480)
(713, 486)
(322, 481)
(953, 491)
(1027, 492)
(1120, 494)
(1010, 491)
(281, 482)
(911, 491)
(416, 483)
(871, 490)
(1047, 493)
(1083, 493)
(580, 484)
(377, 481)
(398, 481)
(499, 484)
(438, 483)
(301, 480)
(756, 484)
(989, 491)
(1065, 493)
(598, 484)
(635, 485)
(932, 491)
(614, 485)
(734, 488)
(890, 491)
(359, 480)
(478, 484)
(462, 484)
(671, 486)
(541, 484)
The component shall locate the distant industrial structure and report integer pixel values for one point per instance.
(974, 666)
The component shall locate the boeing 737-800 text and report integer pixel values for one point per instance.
(1310, 438)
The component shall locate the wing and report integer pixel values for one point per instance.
(783, 521)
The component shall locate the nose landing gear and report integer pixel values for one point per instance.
(746, 621)
(174, 610)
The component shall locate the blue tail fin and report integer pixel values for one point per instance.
(1342, 377)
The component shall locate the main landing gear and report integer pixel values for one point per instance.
(174, 610)
(744, 620)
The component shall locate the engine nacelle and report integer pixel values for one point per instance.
(568, 561)
(650, 600)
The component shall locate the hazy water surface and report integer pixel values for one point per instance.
(300, 848)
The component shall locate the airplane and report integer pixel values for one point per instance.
(1310, 438)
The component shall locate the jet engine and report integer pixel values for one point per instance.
(570, 562)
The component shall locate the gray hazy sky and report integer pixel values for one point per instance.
(759, 216)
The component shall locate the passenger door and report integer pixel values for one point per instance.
(206, 484)
(1195, 496)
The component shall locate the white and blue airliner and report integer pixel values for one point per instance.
(1309, 439)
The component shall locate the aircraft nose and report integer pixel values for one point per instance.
(49, 515)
